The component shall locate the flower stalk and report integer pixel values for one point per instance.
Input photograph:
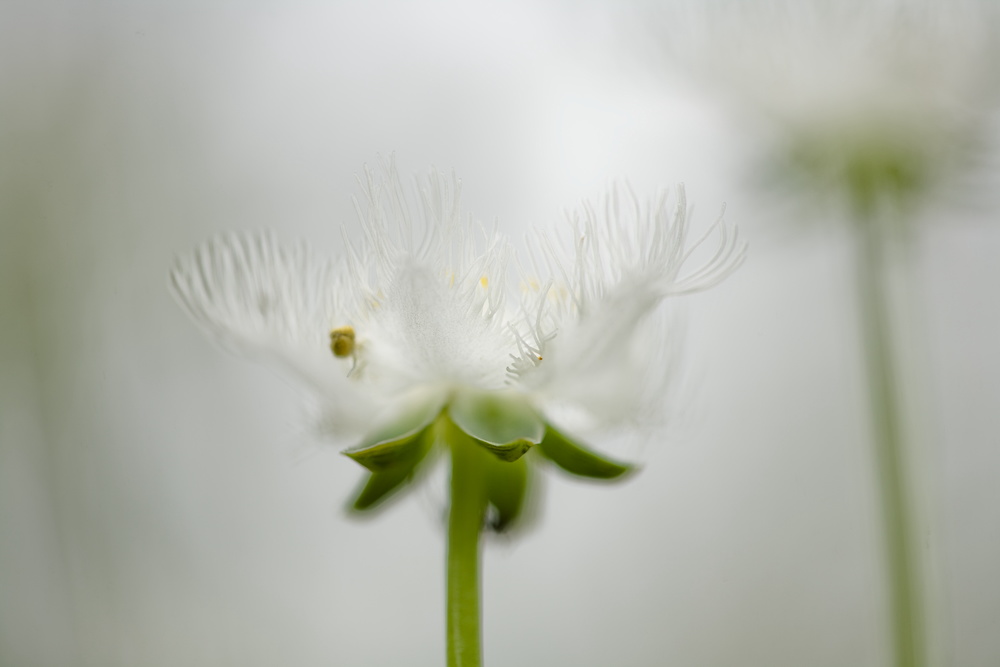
(465, 522)
(874, 240)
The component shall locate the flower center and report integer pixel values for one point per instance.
(430, 330)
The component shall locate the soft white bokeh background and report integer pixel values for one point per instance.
(160, 501)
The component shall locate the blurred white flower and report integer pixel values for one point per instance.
(885, 99)
(427, 315)
(870, 107)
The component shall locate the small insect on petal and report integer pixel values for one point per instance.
(342, 341)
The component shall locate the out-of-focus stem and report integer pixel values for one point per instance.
(898, 519)
(465, 522)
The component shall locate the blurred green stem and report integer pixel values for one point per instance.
(465, 522)
(875, 240)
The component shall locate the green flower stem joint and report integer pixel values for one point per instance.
(440, 346)
(487, 435)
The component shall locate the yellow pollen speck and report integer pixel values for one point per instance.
(484, 281)
(558, 294)
(342, 341)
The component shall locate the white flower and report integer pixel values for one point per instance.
(430, 314)
(872, 98)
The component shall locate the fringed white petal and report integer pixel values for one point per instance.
(276, 303)
(248, 292)
(592, 340)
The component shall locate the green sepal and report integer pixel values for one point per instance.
(506, 486)
(397, 439)
(382, 484)
(505, 423)
(577, 459)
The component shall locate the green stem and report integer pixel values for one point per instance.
(906, 599)
(465, 521)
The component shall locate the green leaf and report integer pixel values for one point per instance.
(506, 485)
(578, 460)
(381, 485)
(396, 439)
(505, 423)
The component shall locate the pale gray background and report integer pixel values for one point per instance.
(160, 502)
